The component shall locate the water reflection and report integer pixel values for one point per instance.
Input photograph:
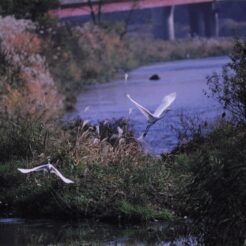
(43, 232)
(187, 78)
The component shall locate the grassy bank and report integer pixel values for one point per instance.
(114, 179)
(203, 180)
(212, 184)
(117, 192)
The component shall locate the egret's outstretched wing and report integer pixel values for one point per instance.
(144, 110)
(166, 102)
(55, 171)
(35, 169)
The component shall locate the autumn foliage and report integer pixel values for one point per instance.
(27, 88)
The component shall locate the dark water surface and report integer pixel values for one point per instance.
(17, 232)
(187, 78)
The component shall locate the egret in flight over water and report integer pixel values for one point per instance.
(159, 112)
(47, 167)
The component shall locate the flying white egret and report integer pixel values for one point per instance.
(159, 112)
(47, 167)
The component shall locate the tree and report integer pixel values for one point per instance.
(96, 16)
(229, 88)
(96, 12)
(27, 9)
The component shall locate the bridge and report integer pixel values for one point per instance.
(202, 13)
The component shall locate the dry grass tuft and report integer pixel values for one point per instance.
(88, 145)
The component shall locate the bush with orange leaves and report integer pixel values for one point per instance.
(27, 88)
(29, 98)
(101, 48)
(87, 54)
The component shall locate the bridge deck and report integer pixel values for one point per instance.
(84, 9)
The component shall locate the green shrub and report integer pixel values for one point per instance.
(212, 165)
(214, 185)
(145, 213)
(33, 9)
(125, 191)
(230, 87)
(21, 139)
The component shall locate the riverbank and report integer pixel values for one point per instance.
(87, 55)
(112, 192)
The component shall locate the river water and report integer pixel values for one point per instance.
(18, 232)
(186, 77)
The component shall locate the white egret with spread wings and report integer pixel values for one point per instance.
(152, 118)
(47, 167)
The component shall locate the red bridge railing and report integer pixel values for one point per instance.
(82, 8)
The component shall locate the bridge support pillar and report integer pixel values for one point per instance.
(203, 20)
(216, 22)
(209, 20)
(195, 20)
(163, 23)
(169, 23)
